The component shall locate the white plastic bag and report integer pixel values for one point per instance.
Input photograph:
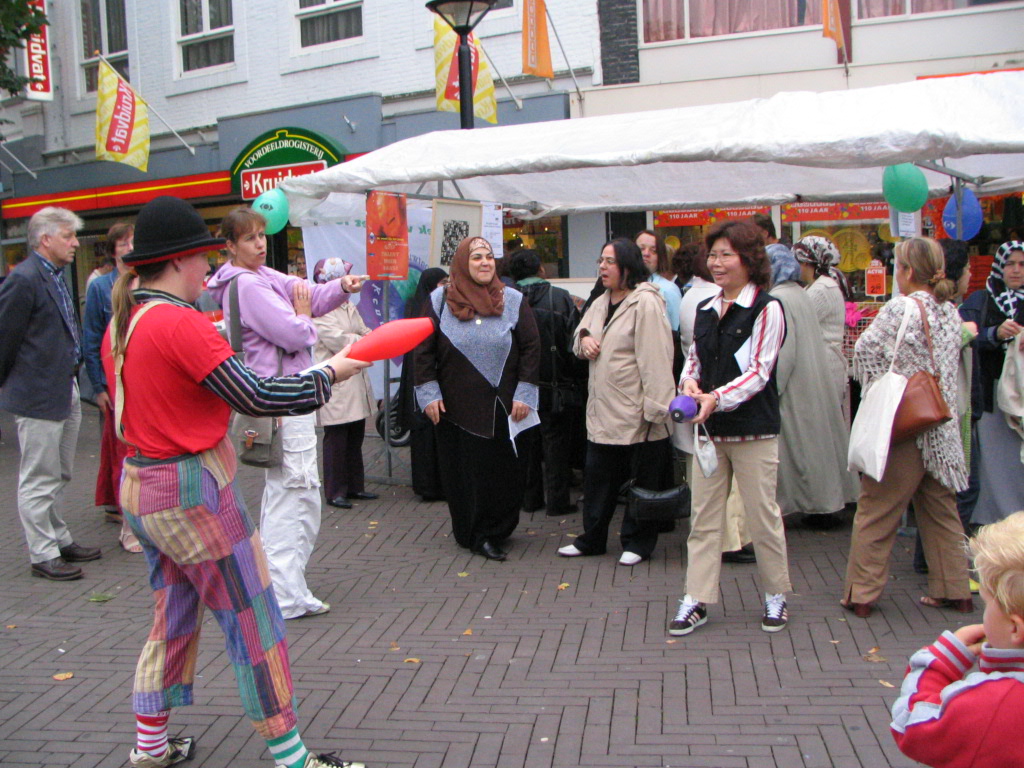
(704, 450)
(872, 429)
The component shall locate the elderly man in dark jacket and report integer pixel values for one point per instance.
(560, 387)
(40, 352)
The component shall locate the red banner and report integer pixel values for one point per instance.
(699, 217)
(834, 211)
(387, 236)
(122, 121)
(37, 61)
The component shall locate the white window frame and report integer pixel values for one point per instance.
(325, 9)
(88, 59)
(205, 35)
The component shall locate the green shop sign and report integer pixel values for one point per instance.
(280, 154)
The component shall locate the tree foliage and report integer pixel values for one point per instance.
(18, 22)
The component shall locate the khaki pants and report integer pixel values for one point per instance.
(879, 510)
(752, 467)
(734, 535)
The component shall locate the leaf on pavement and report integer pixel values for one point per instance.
(468, 631)
(563, 586)
(886, 683)
(61, 676)
(412, 660)
(99, 597)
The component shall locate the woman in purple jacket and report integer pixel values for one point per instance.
(277, 314)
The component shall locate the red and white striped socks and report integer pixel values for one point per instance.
(152, 733)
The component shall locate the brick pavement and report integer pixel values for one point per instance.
(434, 657)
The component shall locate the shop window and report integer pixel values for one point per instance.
(105, 30)
(683, 19)
(327, 21)
(207, 36)
(545, 236)
(872, 9)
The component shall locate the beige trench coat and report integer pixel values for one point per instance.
(630, 385)
(351, 400)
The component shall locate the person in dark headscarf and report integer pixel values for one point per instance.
(476, 376)
(426, 472)
(998, 313)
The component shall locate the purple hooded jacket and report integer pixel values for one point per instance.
(268, 318)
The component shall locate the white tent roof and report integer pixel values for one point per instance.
(792, 146)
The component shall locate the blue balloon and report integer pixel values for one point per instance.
(971, 217)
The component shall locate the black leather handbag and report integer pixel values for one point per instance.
(652, 506)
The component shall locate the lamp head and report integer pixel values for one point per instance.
(461, 15)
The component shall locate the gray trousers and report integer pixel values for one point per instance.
(47, 459)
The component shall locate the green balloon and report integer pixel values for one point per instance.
(904, 187)
(272, 205)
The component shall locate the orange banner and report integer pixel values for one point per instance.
(536, 49)
(832, 22)
(387, 236)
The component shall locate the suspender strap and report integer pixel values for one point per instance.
(119, 364)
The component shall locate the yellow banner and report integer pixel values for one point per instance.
(446, 72)
(122, 121)
(536, 49)
(832, 23)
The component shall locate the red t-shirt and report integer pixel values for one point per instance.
(167, 411)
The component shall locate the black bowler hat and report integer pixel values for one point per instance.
(168, 227)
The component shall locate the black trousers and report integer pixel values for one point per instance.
(426, 469)
(343, 459)
(607, 468)
(545, 461)
(481, 481)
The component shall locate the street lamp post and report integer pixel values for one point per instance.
(462, 16)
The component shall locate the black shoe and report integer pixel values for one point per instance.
(56, 570)
(743, 556)
(489, 551)
(340, 502)
(363, 496)
(567, 510)
(74, 553)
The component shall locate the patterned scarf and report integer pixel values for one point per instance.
(1005, 298)
(822, 254)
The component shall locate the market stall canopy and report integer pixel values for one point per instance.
(793, 146)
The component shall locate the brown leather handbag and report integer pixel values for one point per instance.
(922, 406)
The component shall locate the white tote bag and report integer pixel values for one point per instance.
(872, 429)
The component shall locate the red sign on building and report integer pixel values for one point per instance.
(37, 61)
(256, 181)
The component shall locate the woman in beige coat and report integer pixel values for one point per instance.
(625, 335)
(344, 417)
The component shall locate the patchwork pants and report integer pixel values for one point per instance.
(203, 551)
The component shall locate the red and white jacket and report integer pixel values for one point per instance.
(949, 717)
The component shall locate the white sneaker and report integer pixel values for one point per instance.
(629, 558)
(775, 615)
(178, 751)
(330, 760)
(569, 550)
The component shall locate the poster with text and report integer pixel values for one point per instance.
(387, 236)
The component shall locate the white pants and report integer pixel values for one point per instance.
(290, 516)
(47, 460)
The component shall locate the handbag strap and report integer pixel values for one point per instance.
(927, 334)
(899, 335)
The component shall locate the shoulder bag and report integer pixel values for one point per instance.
(257, 439)
(922, 406)
(647, 505)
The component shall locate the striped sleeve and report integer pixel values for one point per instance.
(766, 339)
(247, 393)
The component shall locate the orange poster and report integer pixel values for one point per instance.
(387, 236)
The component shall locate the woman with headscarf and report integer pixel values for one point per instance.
(423, 456)
(344, 417)
(998, 312)
(828, 291)
(477, 376)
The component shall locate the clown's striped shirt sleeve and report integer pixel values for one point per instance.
(247, 393)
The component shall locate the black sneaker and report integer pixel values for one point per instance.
(691, 615)
(775, 615)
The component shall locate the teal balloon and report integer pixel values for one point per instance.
(972, 217)
(905, 188)
(272, 205)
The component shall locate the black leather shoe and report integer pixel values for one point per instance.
(56, 570)
(74, 553)
(363, 496)
(489, 551)
(340, 502)
(743, 556)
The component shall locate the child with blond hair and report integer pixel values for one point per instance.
(946, 714)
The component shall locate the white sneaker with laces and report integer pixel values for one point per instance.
(569, 550)
(629, 558)
(178, 751)
(775, 614)
(328, 760)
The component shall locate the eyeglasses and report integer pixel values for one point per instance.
(607, 261)
(720, 255)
